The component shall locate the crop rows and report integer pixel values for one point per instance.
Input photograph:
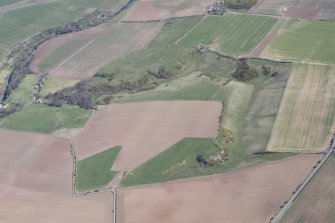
(307, 111)
(235, 34)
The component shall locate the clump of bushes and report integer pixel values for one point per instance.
(240, 4)
(161, 73)
(244, 72)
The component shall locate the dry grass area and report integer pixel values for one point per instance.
(306, 114)
(35, 182)
(250, 194)
(148, 10)
(80, 55)
(316, 202)
(306, 9)
(146, 129)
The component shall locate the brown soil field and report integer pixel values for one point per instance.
(307, 9)
(257, 51)
(80, 55)
(146, 129)
(252, 194)
(147, 10)
(316, 202)
(35, 182)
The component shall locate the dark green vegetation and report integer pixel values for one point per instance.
(95, 171)
(46, 119)
(179, 161)
(240, 4)
(231, 34)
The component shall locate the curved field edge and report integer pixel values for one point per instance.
(46, 119)
(95, 171)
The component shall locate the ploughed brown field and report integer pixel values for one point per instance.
(252, 194)
(306, 9)
(316, 202)
(148, 10)
(146, 129)
(35, 182)
(80, 55)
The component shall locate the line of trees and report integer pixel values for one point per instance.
(85, 93)
(22, 55)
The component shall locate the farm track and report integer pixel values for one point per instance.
(277, 218)
(240, 35)
(117, 40)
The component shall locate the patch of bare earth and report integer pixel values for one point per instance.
(146, 129)
(145, 10)
(36, 182)
(98, 46)
(307, 9)
(251, 194)
(315, 203)
(257, 51)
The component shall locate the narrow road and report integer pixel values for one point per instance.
(283, 211)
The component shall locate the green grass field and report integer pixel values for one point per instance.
(8, 2)
(46, 119)
(15, 26)
(304, 41)
(24, 93)
(95, 171)
(53, 84)
(231, 34)
(307, 111)
(179, 161)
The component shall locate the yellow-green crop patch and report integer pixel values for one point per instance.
(232, 34)
(307, 110)
(304, 41)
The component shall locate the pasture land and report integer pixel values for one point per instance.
(179, 161)
(305, 119)
(95, 171)
(23, 94)
(46, 119)
(35, 182)
(217, 197)
(303, 41)
(160, 9)
(146, 129)
(8, 2)
(306, 9)
(79, 55)
(315, 203)
(20, 24)
(250, 107)
(231, 34)
(53, 84)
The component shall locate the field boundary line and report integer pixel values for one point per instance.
(196, 25)
(282, 212)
